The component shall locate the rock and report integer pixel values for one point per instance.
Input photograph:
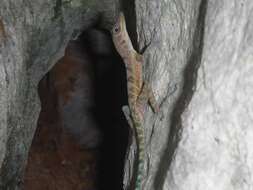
(72, 79)
(33, 36)
(200, 65)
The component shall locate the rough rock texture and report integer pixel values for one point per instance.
(33, 36)
(215, 150)
(200, 65)
(169, 28)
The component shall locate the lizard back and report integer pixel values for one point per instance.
(133, 65)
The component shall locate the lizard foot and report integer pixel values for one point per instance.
(127, 114)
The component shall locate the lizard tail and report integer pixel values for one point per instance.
(140, 150)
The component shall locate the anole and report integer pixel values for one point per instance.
(139, 91)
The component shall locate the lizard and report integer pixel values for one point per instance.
(138, 90)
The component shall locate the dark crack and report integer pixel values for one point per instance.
(57, 9)
(130, 14)
(190, 77)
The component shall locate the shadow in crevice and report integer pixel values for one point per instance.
(129, 9)
(82, 132)
(190, 77)
(130, 14)
(110, 96)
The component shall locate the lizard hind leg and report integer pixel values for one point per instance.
(147, 95)
(127, 114)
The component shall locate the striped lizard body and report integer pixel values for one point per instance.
(139, 92)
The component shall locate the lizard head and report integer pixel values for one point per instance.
(121, 38)
(120, 25)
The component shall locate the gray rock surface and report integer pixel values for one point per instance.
(215, 150)
(199, 63)
(33, 36)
